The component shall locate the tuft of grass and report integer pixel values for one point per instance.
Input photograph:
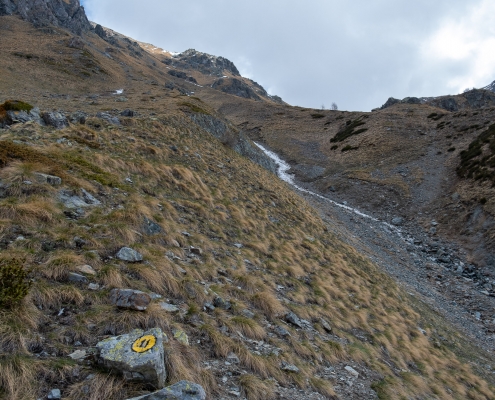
(194, 108)
(254, 388)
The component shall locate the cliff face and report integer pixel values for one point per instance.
(68, 14)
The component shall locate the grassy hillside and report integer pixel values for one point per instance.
(204, 195)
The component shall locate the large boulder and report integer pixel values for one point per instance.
(139, 356)
(183, 390)
(129, 255)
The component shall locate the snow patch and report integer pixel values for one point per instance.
(119, 91)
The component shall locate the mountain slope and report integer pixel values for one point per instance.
(271, 302)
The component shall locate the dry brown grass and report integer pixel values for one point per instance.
(256, 389)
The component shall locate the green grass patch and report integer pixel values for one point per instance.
(349, 130)
(194, 108)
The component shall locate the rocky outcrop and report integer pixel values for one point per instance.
(229, 135)
(205, 63)
(235, 87)
(67, 14)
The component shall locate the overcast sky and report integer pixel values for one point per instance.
(356, 53)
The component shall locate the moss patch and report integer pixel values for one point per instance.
(349, 130)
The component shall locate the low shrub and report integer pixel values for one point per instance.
(14, 283)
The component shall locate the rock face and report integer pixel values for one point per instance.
(205, 63)
(138, 355)
(183, 390)
(235, 87)
(67, 14)
(128, 298)
(237, 140)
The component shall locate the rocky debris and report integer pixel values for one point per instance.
(55, 119)
(352, 371)
(108, 118)
(247, 313)
(150, 227)
(50, 179)
(129, 255)
(129, 298)
(177, 74)
(183, 390)
(54, 394)
(93, 286)
(293, 319)
(138, 356)
(63, 13)
(71, 200)
(289, 367)
(86, 269)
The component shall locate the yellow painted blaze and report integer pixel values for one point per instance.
(144, 343)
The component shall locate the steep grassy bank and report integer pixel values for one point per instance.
(229, 229)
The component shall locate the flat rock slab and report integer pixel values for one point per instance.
(138, 356)
(129, 298)
(183, 390)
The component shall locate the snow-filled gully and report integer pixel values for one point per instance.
(283, 174)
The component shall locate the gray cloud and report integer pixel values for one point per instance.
(310, 53)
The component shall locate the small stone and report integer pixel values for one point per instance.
(187, 234)
(130, 255)
(238, 245)
(247, 313)
(77, 278)
(232, 358)
(183, 390)
(209, 307)
(151, 228)
(397, 221)
(477, 315)
(281, 331)
(93, 286)
(128, 113)
(289, 367)
(128, 298)
(169, 307)
(54, 394)
(221, 303)
(325, 325)
(293, 319)
(86, 269)
(78, 355)
(352, 371)
(50, 179)
(155, 296)
(195, 250)
(181, 336)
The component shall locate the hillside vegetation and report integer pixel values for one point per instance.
(261, 248)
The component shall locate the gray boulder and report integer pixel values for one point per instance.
(150, 227)
(14, 117)
(109, 118)
(129, 298)
(70, 199)
(138, 356)
(129, 255)
(78, 117)
(183, 390)
(55, 119)
(293, 319)
(50, 179)
(397, 221)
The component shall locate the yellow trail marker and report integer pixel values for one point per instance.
(144, 343)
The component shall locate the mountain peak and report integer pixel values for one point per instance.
(207, 63)
(68, 14)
